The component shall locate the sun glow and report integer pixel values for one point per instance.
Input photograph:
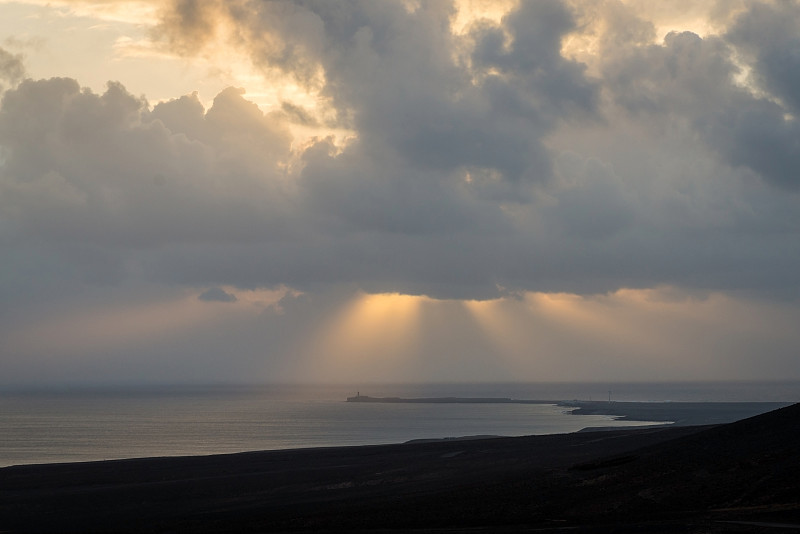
(496, 321)
(130, 12)
(470, 11)
(370, 336)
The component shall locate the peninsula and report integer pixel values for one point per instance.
(447, 400)
(674, 413)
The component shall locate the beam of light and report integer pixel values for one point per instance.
(575, 311)
(603, 335)
(369, 337)
(630, 334)
(498, 321)
(540, 336)
(572, 336)
(514, 323)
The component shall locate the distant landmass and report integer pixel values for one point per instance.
(675, 413)
(447, 400)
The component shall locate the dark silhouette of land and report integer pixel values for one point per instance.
(737, 477)
(446, 400)
(678, 413)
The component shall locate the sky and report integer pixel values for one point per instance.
(399, 191)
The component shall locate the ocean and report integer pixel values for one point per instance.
(101, 423)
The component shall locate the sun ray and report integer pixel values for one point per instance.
(371, 336)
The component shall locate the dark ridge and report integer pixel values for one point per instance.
(739, 477)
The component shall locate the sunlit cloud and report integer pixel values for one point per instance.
(131, 12)
(129, 48)
(470, 11)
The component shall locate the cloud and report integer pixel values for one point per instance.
(558, 157)
(696, 80)
(479, 160)
(131, 11)
(768, 34)
(12, 69)
(105, 169)
(395, 75)
(216, 294)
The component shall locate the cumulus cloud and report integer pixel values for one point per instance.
(12, 69)
(768, 34)
(479, 159)
(398, 76)
(105, 169)
(561, 147)
(697, 80)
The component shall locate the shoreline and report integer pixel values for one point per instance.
(637, 479)
(652, 415)
(675, 413)
(668, 413)
(321, 489)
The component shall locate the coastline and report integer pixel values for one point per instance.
(632, 480)
(674, 413)
(353, 425)
(333, 489)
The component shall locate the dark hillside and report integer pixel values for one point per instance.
(674, 479)
(740, 471)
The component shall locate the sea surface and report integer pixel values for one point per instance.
(100, 423)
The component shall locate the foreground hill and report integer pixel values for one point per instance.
(738, 477)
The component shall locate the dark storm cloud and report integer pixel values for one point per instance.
(216, 294)
(770, 35)
(483, 162)
(564, 147)
(695, 79)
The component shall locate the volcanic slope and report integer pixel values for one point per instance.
(739, 477)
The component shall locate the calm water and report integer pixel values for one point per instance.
(96, 424)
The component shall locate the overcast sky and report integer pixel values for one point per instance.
(261, 191)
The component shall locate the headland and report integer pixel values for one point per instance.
(445, 400)
(676, 413)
